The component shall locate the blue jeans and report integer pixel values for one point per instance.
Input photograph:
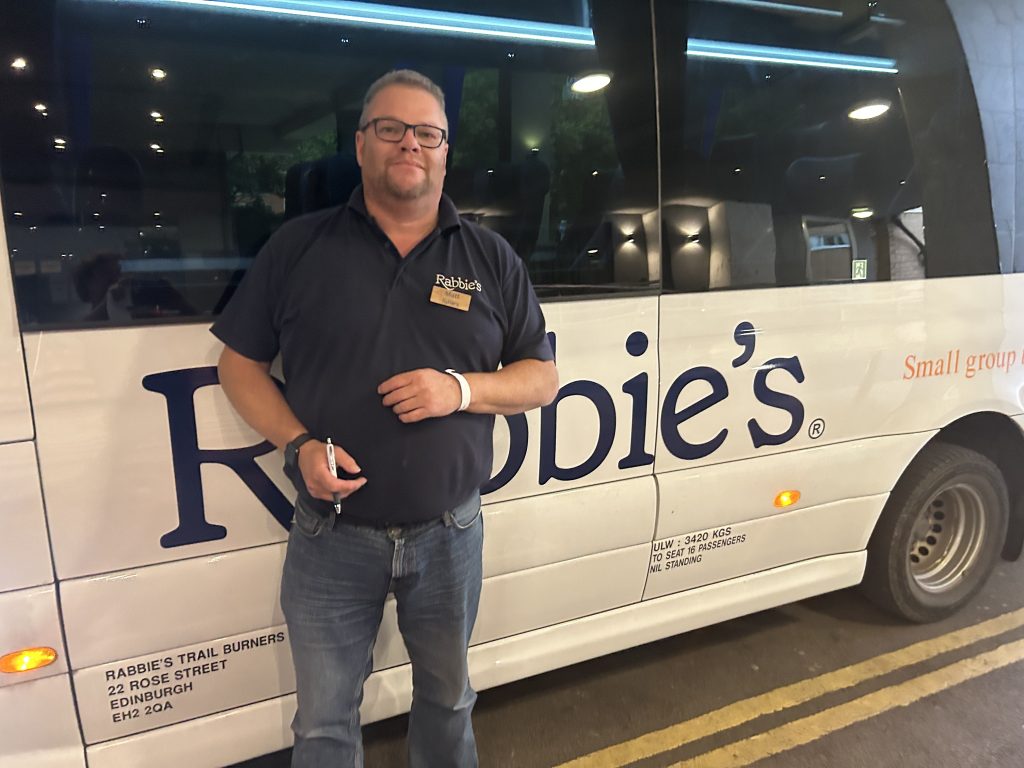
(336, 577)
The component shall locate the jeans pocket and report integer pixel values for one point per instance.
(307, 521)
(463, 517)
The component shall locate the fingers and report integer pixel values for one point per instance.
(320, 481)
(344, 460)
(341, 494)
(396, 396)
(420, 394)
(419, 402)
(411, 404)
(395, 382)
(324, 488)
(417, 414)
(344, 488)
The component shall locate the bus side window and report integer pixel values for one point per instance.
(819, 146)
(129, 149)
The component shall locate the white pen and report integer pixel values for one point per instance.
(333, 466)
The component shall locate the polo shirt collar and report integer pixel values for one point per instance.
(447, 213)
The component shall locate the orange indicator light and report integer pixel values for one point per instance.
(787, 499)
(27, 659)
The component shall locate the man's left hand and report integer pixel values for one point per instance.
(421, 394)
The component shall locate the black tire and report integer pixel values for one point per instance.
(940, 534)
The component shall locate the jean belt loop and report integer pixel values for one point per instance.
(447, 519)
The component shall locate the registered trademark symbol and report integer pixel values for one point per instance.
(817, 429)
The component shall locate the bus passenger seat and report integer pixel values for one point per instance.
(320, 184)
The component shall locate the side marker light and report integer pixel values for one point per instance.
(787, 499)
(27, 660)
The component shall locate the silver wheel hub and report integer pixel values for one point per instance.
(947, 538)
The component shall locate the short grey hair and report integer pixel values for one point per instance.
(407, 77)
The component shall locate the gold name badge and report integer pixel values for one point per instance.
(453, 299)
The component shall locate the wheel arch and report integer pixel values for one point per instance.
(1000, 439)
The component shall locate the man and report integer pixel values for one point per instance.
(391, 315)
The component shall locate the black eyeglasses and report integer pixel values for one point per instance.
(389, 129)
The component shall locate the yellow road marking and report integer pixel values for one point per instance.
(813, 727)
(740, 712)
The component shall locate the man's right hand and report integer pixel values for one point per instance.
(320, 483)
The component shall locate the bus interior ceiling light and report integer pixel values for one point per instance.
(714, 49)
(591, 83)
(869, 110)
(394, 17)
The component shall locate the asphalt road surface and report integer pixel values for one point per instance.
(830, 681)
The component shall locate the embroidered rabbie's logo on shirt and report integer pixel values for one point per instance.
(458, 283)
(451, 291)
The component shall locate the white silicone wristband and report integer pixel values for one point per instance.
(463, 388)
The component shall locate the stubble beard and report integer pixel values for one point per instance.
(386, 185)
(407, 193)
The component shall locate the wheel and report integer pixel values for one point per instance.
(940, 534)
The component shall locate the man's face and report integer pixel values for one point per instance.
(403, 170)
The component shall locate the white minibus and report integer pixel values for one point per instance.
(775, 244)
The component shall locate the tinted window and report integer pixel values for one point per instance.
(818, 142)
(148, 151)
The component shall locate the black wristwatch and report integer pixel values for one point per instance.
(291, 451)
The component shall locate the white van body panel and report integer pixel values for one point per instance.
(176, 685)
(247, 732)
(222, 739)
(555, 551)
(560, 592)
(40, 729)
(126, 697)
(104, 439)
(556, 527)
(590, 338)
(720, 554)
(31, 621)
(37, 710)
(114, 616)
(856, 384)
(117, 616)
(736, 492)
(105, 454)
(15, 413)
(24, 547)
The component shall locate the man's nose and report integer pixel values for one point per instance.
(409, 141)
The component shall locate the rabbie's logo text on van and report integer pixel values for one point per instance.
(179, 387)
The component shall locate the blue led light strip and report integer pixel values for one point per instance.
(516, 30)
(394, 17)
(769, 5)
(712, 49)
(777, 7)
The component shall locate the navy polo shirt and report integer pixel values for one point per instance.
(331, 294)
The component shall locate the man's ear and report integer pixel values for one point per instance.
(360, 138)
